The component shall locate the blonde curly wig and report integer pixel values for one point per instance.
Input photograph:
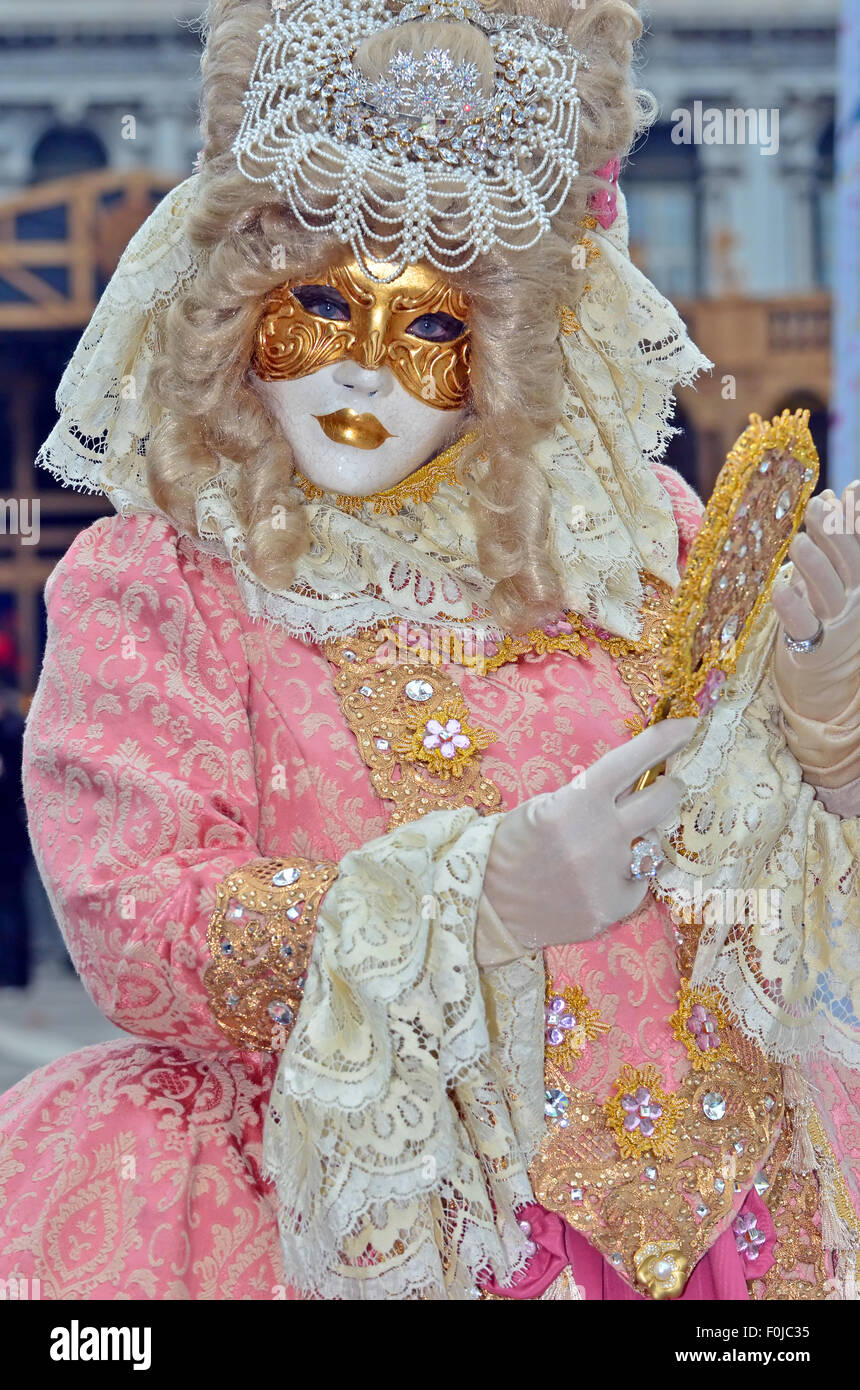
(208, 408)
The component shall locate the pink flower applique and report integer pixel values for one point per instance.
(447, 737)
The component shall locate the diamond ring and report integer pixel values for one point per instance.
(802, 646)
(646, 856)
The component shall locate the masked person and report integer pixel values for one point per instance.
(329, 770)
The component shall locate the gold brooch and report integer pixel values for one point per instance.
(570, 1024)
(661, 1267)
(701, 1025)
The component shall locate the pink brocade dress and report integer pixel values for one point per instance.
(173, 740)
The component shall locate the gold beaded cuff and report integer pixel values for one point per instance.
(260, 938)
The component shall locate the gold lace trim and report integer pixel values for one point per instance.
(638, 663)
(259, 938)
(538, 642)
(419, 486)
(387, 706)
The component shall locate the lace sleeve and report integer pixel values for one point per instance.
(408, 1101)
(770, 873)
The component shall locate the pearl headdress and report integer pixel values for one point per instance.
(420, 161)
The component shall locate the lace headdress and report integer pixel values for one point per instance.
(610, 517)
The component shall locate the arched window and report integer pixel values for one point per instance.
(66, 150)
(661, 185)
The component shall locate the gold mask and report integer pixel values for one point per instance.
(376, 325)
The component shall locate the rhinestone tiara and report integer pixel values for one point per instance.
(419, 161)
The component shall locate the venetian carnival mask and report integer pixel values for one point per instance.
(368, 380)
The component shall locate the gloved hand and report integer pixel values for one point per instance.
(819, 691)
(558, 869)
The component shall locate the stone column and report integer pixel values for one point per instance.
(845, 433)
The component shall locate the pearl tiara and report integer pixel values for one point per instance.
(420, 162)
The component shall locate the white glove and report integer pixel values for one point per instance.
(559, 865)
(819, 691)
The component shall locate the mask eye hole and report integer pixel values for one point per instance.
(437, 328)
(322, 301)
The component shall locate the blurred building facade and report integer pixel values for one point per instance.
(740, 235)
(98, 118)
(97, 121)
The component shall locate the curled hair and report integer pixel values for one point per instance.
(209, 410)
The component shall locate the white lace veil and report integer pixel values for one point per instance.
(610, 519)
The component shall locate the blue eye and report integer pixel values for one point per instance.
(322, 301)
(437, 328)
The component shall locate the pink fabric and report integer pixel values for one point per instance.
(721, 1275)
(604, 202)
(172, 740)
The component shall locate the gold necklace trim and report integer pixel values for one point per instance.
(419, 486)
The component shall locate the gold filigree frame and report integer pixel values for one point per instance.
(768, 477)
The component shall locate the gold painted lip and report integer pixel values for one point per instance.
(348, 427)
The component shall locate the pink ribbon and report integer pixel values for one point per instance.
(604, 202)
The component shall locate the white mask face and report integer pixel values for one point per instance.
(355, 430)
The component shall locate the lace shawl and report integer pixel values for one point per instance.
(409, 1102)
(771, 875)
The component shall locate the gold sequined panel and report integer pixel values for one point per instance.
(413, 730)
(608, 1182)
(794, 1201)
(260, 937)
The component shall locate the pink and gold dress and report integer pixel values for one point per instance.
(199, 784)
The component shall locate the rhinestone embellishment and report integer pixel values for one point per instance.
(419, 690)
(280, 1013)
(556, 1105)
(714, 1105)
(284, 878)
